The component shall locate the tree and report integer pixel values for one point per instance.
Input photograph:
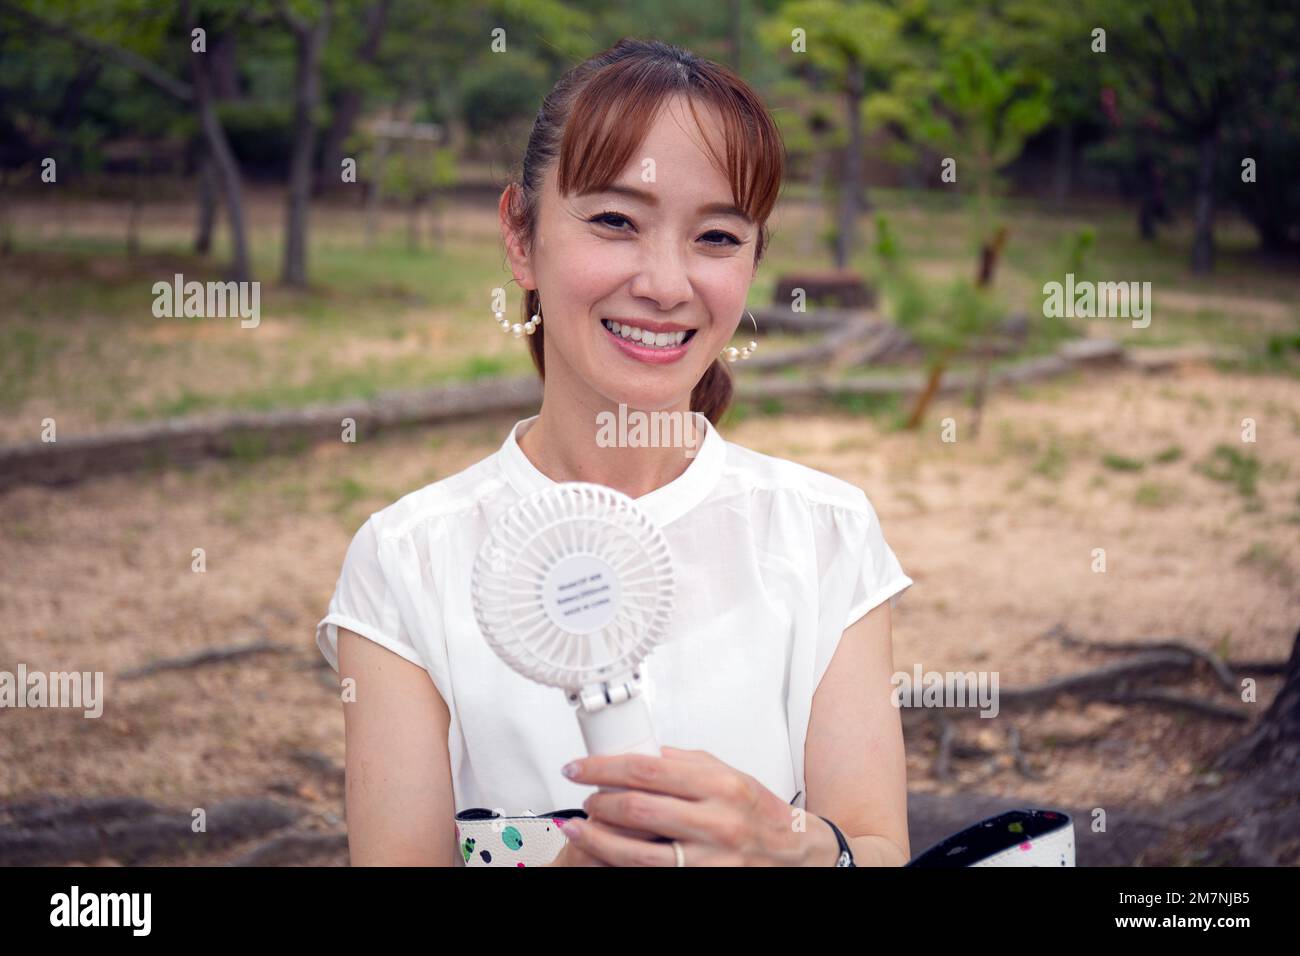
(1195, 66)
(117, 23)
(309, 37)
(853, 47)
(962, 99)
(346, 100)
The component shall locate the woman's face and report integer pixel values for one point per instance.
(674, 254)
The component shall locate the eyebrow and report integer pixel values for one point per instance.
(723, 208)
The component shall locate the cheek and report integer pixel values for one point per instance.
(725, 289)
(587, 273)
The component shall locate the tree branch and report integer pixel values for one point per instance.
(119, 55)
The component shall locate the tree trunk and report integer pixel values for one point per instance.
(137, 208)
(347, 106)
(309, 39)
(1064, 163)
(1203, 243)
(413, 225)
(207, 206)
(375, 189)
(1275, 742)
(227, 170)
(851, 176)
(6, 226)
(931, 389)
(223, 69)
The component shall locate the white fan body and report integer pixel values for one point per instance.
(572, 588)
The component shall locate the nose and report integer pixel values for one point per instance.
(663, 276)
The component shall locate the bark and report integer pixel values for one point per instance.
(207, 206)
(851, 176)
(1275, 742)
(347, 106)
(224, 72)
(200, 95)
(309, 41)
(1203, 242)
(223, 159)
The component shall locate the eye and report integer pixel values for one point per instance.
(728, 237)
(602, 216)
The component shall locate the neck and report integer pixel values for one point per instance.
(565, 444)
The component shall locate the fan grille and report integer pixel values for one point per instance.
(573, 584)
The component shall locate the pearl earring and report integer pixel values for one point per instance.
(732, 354)
(530, 326)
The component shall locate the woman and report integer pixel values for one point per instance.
(641, 208)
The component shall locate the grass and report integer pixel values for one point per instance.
(1227, 464)
(1121, 463)
(1266, 558)
(78, 331)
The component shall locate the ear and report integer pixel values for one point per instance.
(520, 261)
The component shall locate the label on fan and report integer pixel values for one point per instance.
(580, 593)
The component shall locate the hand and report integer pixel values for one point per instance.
(570, 855)
(719, 816)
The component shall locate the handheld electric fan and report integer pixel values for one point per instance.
(573, 587)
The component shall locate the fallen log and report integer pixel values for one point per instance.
(50, 830)
(188, 440)
(291, 849)
(212, 655)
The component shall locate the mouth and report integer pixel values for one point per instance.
(644, 343)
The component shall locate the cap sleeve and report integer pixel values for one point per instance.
(857, 570)
(364, 602)
(879, 575)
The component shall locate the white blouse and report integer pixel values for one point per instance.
(773, 560)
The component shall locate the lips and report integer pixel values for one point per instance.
(647, 354)
(648, 336)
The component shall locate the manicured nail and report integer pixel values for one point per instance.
(572, 769)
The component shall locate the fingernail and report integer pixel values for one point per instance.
(572, 769)
(572, 828)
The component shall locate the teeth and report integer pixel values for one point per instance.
(649, 339)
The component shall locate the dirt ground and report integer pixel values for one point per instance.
(998, 533)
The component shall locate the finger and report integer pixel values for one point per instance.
(689, 779)
(577, 857)
(677, 752)
(602, 843)
(667, 817)
(571, 855)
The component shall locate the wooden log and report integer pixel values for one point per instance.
(183, 441)
(842, 286)
(53, 830)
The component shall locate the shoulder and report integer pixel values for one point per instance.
(440, 502)
(793, 482)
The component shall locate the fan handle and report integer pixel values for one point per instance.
(622, 728)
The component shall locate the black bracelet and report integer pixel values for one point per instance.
(846, 854)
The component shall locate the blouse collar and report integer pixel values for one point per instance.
(662, 505)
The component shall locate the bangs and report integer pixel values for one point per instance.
(615, 110)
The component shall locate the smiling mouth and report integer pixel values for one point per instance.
(648, 340)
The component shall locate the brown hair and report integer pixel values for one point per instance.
(631, 79)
